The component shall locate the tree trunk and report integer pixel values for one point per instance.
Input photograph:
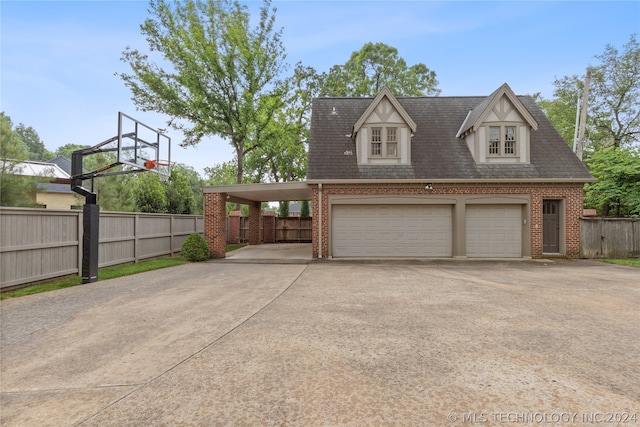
(239, 159)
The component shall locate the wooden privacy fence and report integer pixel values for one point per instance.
(39, 244)
(291, 229)
(610, 237)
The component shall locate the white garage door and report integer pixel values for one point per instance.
(391, 231)
(494, 231)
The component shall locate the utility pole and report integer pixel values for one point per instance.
(576, 125)
(583, 115)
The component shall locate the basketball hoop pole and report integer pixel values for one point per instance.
(91, 210)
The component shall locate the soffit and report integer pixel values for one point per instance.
(263, 192)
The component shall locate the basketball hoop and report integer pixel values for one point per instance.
(162, 167)
(153, 164)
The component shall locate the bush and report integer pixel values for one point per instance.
(195, 248)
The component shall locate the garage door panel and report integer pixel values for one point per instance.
(391, 231)
(494, 231)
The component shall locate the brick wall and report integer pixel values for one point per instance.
(215, 223)
(571, 194)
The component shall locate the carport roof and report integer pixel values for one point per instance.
(265, 192)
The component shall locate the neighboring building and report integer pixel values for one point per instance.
(48, 195)
(438, 177)
(59, 196)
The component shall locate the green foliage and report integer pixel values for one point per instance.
(195, 248)
(149, 193)
(613, 118)
(103, 274)
(617, 191)
(223, 72)
(561, 111)
(37, 150)
(372, 67)
(280, 153)
(615, 89)
(283, 209)
(15, 190)
(221, 173)
(178, 193)
(182, 194)
(304, 209)
(631, 262)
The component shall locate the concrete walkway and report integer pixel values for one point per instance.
(440, 343)
(283, 252)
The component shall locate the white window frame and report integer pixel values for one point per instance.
(502, 147)
(379, 148)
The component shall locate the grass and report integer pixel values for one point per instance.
(103, 274)
(632, 262)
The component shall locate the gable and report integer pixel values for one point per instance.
(384, 110)
(496, 103)
(503, 111)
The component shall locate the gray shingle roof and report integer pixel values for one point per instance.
(64, 164)
(435, 150)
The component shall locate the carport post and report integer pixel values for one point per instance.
(255, 218)
(215, 223)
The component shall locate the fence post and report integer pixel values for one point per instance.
(171, 231)
(269, 227)
(233, 224)
(80, 238)
(136, 237)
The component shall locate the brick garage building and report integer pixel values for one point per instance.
(436, 177)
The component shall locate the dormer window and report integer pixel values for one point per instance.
(384, 142)
(383, 132)
(502, 141)
(498, 129)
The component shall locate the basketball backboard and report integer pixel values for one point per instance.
(143, 147)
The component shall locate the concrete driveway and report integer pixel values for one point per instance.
(396, 343)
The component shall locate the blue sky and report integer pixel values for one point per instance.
(58, 58)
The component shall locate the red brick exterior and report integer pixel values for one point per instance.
(215, 223)
(571, 194)
(255, 218)
(234, 227)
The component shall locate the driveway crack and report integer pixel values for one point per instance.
(207, 346)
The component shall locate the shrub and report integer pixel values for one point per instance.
(195, 248)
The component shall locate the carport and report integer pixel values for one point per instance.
(216, 197)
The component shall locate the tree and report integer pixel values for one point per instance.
(618, 188)
(194, 184)
(15, 190)
(372, 67)
(221, 173)
(304, 209)
(561, 111)
(224, 73)
(179, 194)
(283, 209)
(281, 155)
(613, 118)
(615, 109)
(37, 150)
(149, 194)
